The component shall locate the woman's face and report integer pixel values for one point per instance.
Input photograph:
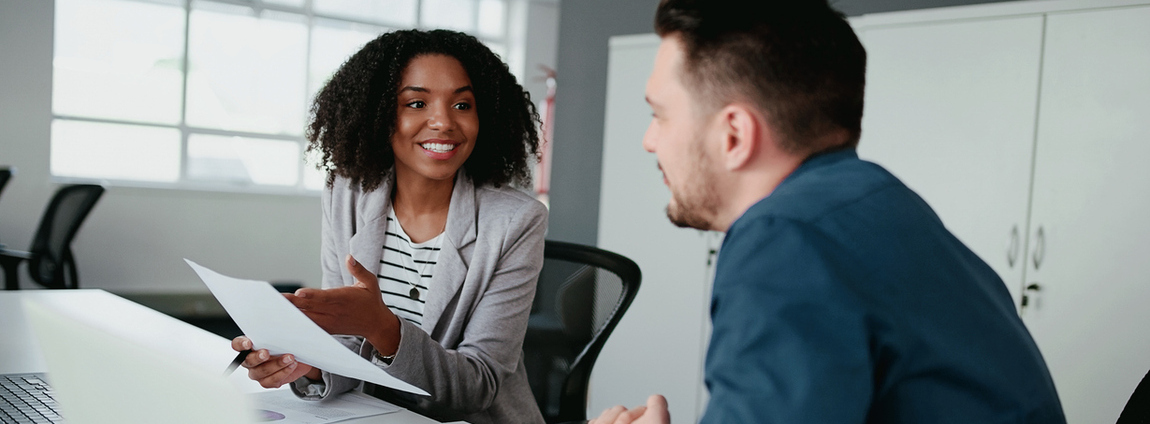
(436, 121)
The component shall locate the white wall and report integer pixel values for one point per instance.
(135, 238)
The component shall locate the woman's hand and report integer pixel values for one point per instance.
(272, 371)
(356, 310)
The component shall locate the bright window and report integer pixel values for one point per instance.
(215, 93)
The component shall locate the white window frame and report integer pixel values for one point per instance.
(510, 41)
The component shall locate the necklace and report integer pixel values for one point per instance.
(418, 259)
(414, 293)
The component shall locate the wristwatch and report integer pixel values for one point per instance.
(385, 359)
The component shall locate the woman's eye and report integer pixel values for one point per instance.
(463, 106)
(418, 104)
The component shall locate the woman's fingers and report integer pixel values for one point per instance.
(256, 358)
(241, 343)
(275, 372)
(362, 275)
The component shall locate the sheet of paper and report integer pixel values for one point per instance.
(284, 407)
(275, 324)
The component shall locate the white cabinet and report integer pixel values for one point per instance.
(950, 110)
(660, 344)
(1033, 116)
(1091, 200)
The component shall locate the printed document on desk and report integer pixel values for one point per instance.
(273, 323)
(283, 406)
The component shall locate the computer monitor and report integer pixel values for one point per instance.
(101, 378)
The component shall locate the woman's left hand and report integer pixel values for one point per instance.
(356, 310)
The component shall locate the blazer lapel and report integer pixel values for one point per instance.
(366, 245)
(450, 268)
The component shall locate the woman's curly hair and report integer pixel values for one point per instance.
(354, 115)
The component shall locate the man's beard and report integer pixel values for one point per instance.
(698, 203)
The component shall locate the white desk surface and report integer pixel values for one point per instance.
(19, 352)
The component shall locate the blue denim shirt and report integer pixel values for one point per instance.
(841, 298)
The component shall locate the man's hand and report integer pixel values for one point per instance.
(655, 412)
(356, 310)
(272, 371)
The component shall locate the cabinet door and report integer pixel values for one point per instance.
(657, 347)
(950, 110)
(1091, 203)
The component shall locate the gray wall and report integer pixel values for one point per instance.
(580, 98)
(584, 28)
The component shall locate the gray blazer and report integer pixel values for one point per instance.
(468, 353)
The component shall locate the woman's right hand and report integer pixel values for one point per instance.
(272, 371)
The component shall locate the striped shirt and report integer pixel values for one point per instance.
(406, 267)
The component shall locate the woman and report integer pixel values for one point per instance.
(429, 258)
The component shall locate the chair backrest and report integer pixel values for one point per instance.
(5, 175)
(51, 246)
(1137, 410)
(582, 294)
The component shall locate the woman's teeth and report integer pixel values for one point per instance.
(438, 147)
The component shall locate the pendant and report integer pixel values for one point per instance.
(414, 293)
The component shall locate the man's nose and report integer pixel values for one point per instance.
(649, 140)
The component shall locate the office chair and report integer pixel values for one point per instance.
(51, 252)
(1137, 410)
(582, 294)
(5, 175)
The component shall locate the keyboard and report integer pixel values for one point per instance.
(27, 398)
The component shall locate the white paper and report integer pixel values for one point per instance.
(284, 407)
(273, 323)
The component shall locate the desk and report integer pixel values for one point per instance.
(19, 352)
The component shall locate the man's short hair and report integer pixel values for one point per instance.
(798, 61)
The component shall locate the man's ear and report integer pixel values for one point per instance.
(742, 131)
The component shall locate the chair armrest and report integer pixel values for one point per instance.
(17, 255)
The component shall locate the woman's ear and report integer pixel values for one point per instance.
(742, 130)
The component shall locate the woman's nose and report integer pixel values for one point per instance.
(441, 119)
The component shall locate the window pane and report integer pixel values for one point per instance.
(242, 160)
(247, 73)
(458, 15)
(115, 151)
(491, 13)
(499, 50)
(332, 43)
(313, 179)
(118, 60)
(290, 3)
(397, 13)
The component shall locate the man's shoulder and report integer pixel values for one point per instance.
(817, 189)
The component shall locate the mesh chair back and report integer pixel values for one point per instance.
(5, 175)
(51, 245)
(582, 294)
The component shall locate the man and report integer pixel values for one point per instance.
(839, 297)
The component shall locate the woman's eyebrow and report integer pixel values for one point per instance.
(424, 90)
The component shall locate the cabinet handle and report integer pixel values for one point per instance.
(1033, 287)
(1012, 247)
(1039, 247)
